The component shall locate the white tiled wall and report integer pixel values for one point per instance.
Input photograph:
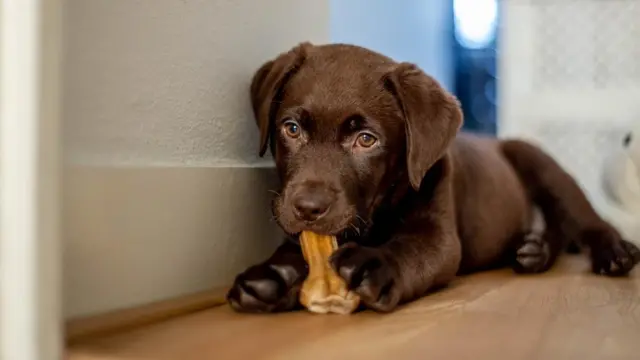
(570, 80)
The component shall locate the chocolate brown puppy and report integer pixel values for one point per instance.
(368, 150)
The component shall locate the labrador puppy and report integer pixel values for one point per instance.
(368, 150)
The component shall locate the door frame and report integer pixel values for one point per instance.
(30, 252)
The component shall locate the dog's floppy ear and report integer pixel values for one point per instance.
(432, 117)
(267, 86)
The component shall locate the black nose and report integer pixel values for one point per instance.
(311, 206)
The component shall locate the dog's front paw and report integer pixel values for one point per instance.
(266, 288)
(370, 273)
(610, 254)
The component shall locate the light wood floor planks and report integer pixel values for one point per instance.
(564, 314)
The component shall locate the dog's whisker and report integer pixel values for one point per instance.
(364, 222)
(355, 228)
(274, 192)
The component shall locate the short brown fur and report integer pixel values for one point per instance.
(420, 205)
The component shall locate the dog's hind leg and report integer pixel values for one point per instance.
(567, 212)
(535, 250)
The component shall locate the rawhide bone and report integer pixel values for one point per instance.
(324, 291)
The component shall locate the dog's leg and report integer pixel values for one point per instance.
(273, 285)
(534, 252)
(567, 210)
(423, 253)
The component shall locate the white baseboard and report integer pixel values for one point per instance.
(139, 235)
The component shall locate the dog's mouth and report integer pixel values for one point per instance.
(334, 226)
(348, 234)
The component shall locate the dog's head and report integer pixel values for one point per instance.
(345, 126)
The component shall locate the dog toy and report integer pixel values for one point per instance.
(324, 291)
(622, 174)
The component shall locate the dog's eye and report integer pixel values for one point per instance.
(291, 129)
(366, 140)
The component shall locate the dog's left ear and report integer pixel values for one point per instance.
(267, 85)
(432, 117)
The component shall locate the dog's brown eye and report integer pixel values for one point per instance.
(366, 140)
(292, 129)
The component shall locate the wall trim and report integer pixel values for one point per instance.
(30, 156)
(89, 327)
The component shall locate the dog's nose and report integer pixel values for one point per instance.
(311, 206)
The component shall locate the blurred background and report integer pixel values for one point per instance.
(162, 192)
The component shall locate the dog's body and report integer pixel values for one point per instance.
(367, 151)
(492, 207)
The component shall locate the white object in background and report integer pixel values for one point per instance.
(621, 184)
(622, 174)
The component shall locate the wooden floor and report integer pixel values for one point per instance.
(564, 314)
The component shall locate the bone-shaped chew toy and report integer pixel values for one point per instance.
(324, 291)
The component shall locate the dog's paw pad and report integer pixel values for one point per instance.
(617, 260)
(610, 254)
(369, 274)
(264, 288)
(532, 255)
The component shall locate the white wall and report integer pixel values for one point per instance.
(164, 192)
(418, 31)
(164, 82)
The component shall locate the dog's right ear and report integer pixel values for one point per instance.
(267, 88)
(432, 117)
